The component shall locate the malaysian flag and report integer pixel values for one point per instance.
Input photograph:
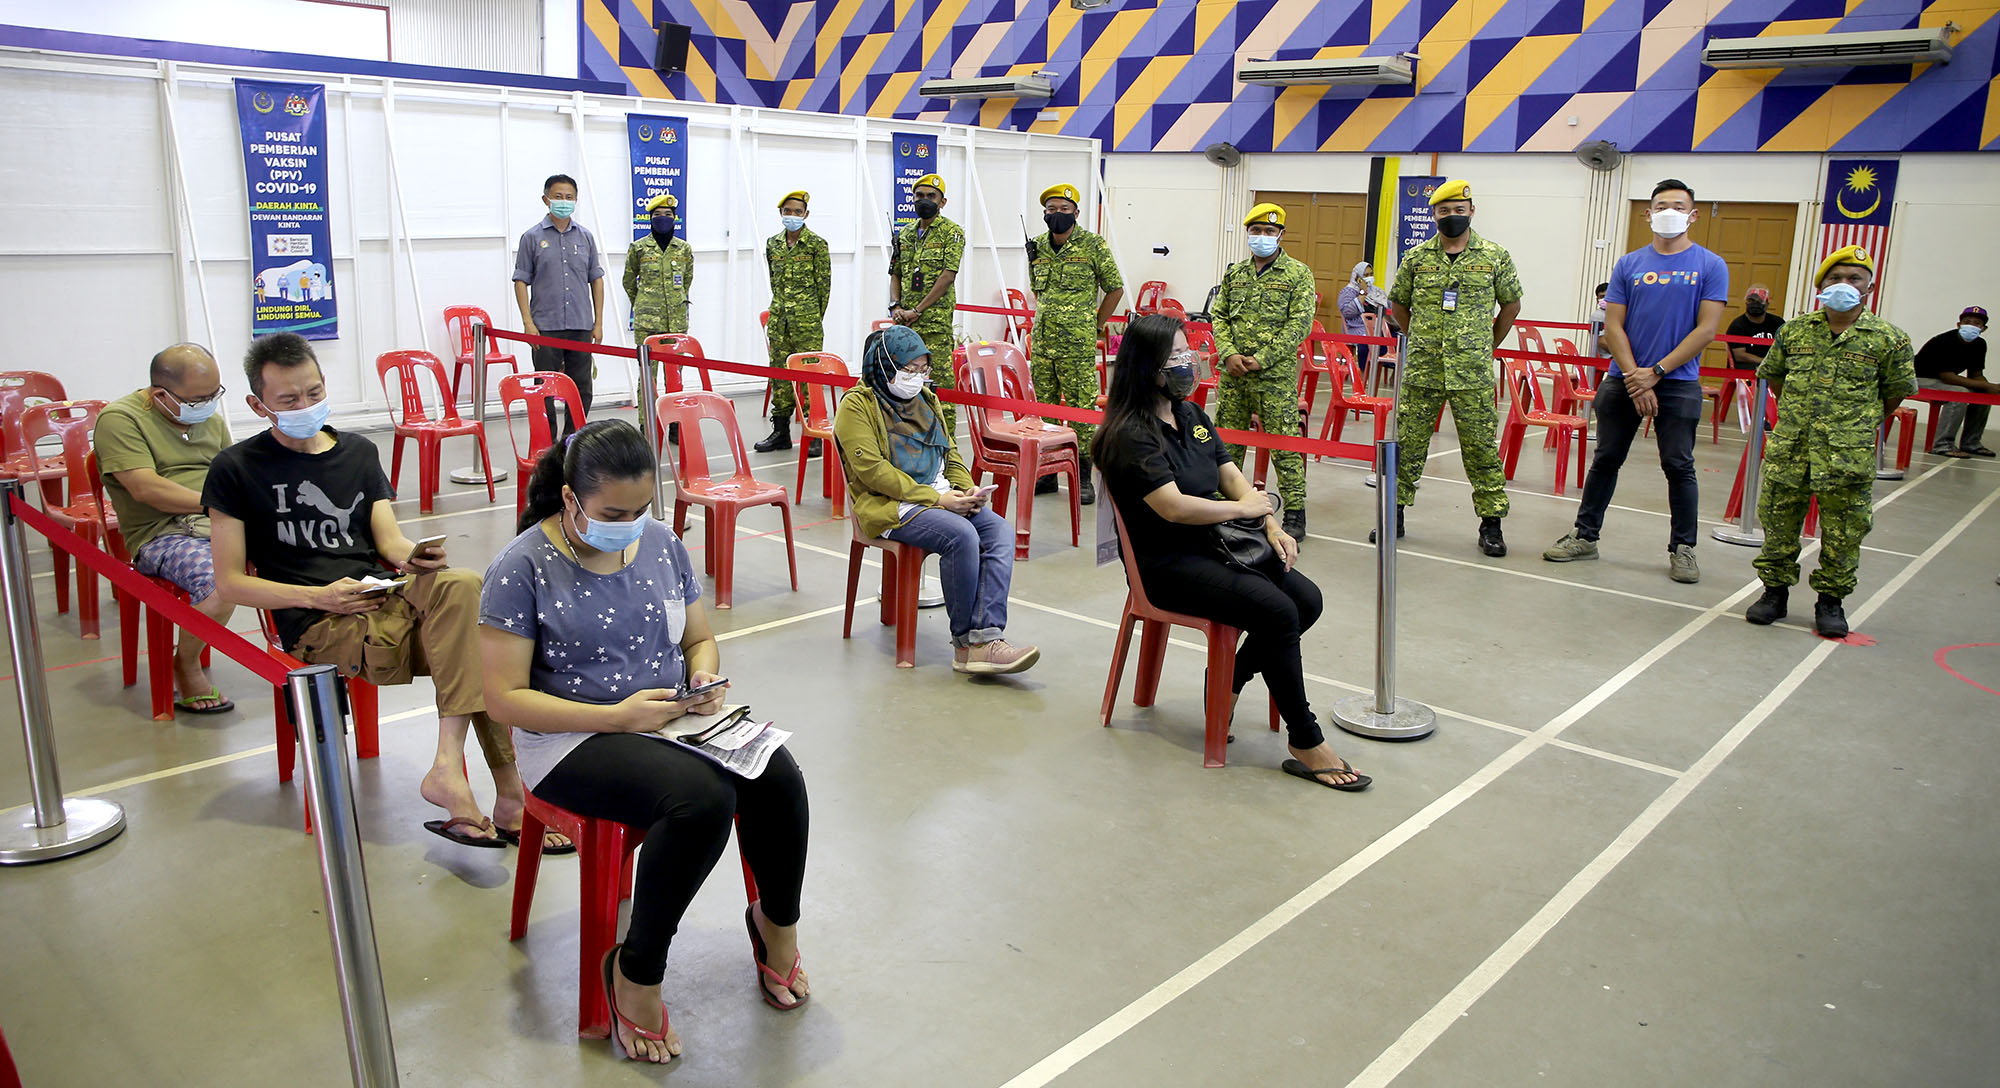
(1859, 198)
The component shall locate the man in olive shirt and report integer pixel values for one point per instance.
(154, 447)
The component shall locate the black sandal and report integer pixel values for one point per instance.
(1299, 770)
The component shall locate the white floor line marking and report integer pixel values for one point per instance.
(1118, 1023)
(1888, 551)
(1433, 1024)
(789, 620)
(170, 772)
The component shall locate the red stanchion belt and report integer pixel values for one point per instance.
(232, 645)
(1001, 311)
(552, 342)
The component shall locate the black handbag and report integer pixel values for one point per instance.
(1242, 542)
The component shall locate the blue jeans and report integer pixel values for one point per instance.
(976, 564)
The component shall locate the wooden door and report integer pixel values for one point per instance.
(1755, 240)
(1328, 232)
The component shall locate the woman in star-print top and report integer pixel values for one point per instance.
(591, 623)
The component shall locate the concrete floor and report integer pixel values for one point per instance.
(1648, 843)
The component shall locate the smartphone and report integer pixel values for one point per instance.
(378, 590)
(700, 690)
(985, 491)
(426, 544)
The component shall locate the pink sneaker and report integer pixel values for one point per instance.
(994, 658)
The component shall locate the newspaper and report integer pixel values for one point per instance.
(729, 739)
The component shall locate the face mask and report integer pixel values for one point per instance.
(663, 228)
(793, 223)
(927, 209)
(1370, 280)
(562, 209)
(1839, 297)
(612, 536)
(1668, 223)
(1180, 380)
(1059, 222)
(1969, 332)
(1754, 309)
(1263, 245)
(1451, 226)
(303, 423)
(189, 415)
(906, 385)
(1600, 305)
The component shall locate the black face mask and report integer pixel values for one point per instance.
(1180, 381)
(1451, 226)
(663, 230)
(1754, 309)
(927, 209)
(1060, 222)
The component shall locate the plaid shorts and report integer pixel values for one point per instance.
(186, 561)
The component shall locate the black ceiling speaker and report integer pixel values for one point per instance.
(1223, 154)
(672, 54)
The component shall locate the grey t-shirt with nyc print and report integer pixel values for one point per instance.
(598, 637)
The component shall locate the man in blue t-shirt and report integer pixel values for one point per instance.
(1663, 307)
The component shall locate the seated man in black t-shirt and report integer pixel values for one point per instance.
(1955, 361)
(1755, 320)
(308, 509)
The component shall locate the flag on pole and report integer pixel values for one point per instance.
(1860, 195)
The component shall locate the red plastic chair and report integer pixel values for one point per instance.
(1021, 450)
(534, 390)
(159, 629)
(1521, 392)
(902, 574)
(723, 498)
(69, 422)
(679, 346)
(816, 421)
(1018, 327)
(879, 324)
(604, 851)
(1222, 642)
(364, 699)
(416, 422)
(1380, 356)
(20, 390)
(1348, 398)
(1148, 299)
(458, 320)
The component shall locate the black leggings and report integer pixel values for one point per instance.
(1272, 609)
(684, 803)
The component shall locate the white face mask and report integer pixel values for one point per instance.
(906, 385)
(1368, 280)
(1670, 223)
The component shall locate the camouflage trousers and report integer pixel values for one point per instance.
(1846, 513)
(1477, 418)
(1273, 397)
(789, 337)
(939, 342)
(1068, 378)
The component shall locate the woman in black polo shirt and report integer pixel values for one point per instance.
(1164, 464)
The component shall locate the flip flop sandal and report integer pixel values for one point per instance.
(763, 971)
(450, 829)
(1299, 770)
(223, 707)
(1980, 451)
(513, 838)
(1957, 453)
(610, 998)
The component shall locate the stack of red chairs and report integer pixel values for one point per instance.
(1021, 450)
(1521, 387)
(417, 423)
(20, 390)
(71, 423)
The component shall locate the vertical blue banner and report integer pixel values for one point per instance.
(914, 156)
(1414, 225)
(291, 240)
(659, 164)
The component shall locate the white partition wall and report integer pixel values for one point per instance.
(127, 226)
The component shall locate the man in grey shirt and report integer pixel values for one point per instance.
(555, 261)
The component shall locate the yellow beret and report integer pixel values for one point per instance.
(1455, 189)
(1066, 191)
(1845, 255)
(799, 195)
(1265, 213)
(664, 200)
(931, 180)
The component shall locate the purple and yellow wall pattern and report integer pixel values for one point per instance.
(1494, 75)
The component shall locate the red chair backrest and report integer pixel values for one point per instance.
(996, 369)
(764, 319)
(1530, 339)
(688, 409)
(661, 345)
(1346, 382)
(114, 541)
(1149, 296)
(816, 398)
(1018, 325)
(19, 389)
(67, 421)
(459, 319)
(1520, 385)
(1564, 346)
(406, 365)
(535, 390)
(1171, 307)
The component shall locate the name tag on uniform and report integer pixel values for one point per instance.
(1450, 300)
(677, 279)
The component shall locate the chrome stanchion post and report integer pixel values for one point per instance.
(51, 827)
(317, 699)
(649, 424)
(1375, 390)
(1746, 531)
(475, 473)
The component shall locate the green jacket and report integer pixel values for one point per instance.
(874, 483)
(1264, 316)
(1834, 390)
(1453, 349)
(658, 284)
(1067, 284)
(801, 277)
(918, 265)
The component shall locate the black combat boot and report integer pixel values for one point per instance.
(1770, 608)
(780, 437)
(673, 434)
(1828, 617)
(1490, 540)
(1087, 490)
(1295, 527)
(814, 450)
(1399, 525)
(1046, 485)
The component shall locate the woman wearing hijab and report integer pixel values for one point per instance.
(909, 485)
(1359, 297)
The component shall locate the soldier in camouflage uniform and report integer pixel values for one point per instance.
(1839, 373)
(801, 271)
(922, 272)
(1067, 268)
(1445, 293)
(1262, 313)
(659, 272)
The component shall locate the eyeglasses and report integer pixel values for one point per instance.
(921, 366)
(1182, 357)
(193, 402)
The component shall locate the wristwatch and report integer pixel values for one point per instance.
(1659, 372)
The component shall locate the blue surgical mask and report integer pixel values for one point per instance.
(1839, 297)
(1969, 332)
(1263, 245)
(793, 223)
(302, 423)
(189, 415)
(612, 536)
(562, 209)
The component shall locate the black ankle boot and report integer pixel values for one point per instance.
(1399, 525)
(1490, 540)
(1294, 525)
(1046, 485)
(1086, 488)
(1829, 619)
(814, 449)
(1771, 607)
(780, 437)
